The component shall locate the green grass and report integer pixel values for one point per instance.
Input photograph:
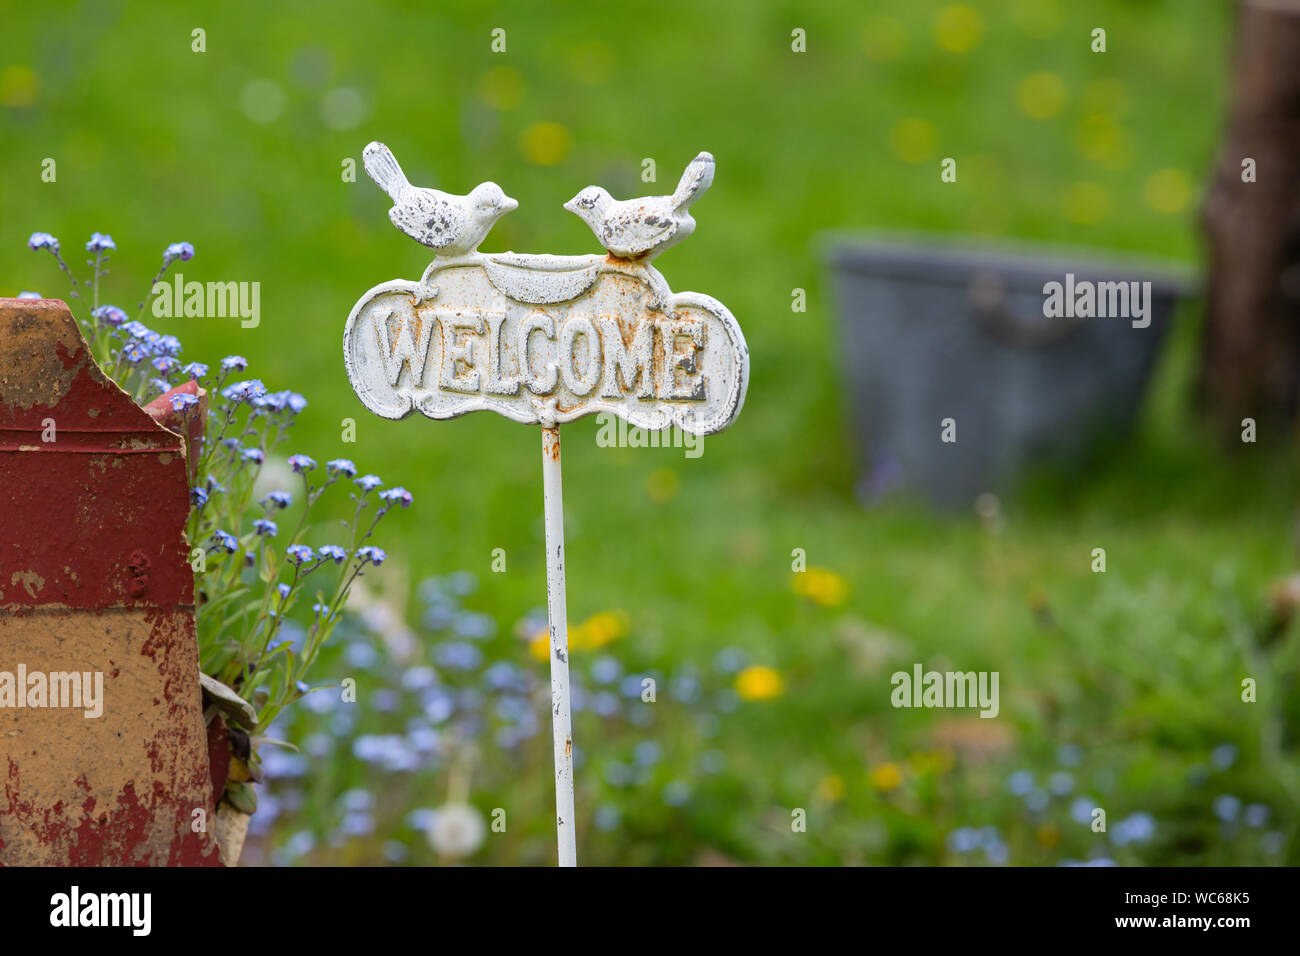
(1140, 666)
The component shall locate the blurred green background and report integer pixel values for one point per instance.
(1120, 690)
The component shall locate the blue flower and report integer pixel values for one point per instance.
(168, 345)
(183, 400)
(730, 659)
(199, 497)
(458, 655)
(301, 463)
(178, 250)
(606, 670)
(333, 552)
(607, 817)
(1081, 809)
(254, 455)
(963, 840)
(195, 370)
(1226, 807)
(1135, 828)
(279, 401)
(647, 752)
(1060, 783)
(421, 677)
(160, 386)
(234, 363)
(284, 590)
(997, 853)
(110, 315)
(1036, 800)
(225, 541)
(279, 499)
(135, 353)
(100, 243)
(676, 793)
(165, 364)
(43, 240)
(266, 527)
(1257, 815)
(400, 495)
(369, 482)
(1223, 756)
(300, 554)
(248, 391)
(341, 466)
(1071, 755)
(1020, 783)
(375, 556)
(136, 329)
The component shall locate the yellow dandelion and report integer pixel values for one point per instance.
(884, 39)
(662, 485)
(821, 586)
(18, 86)
(958, 28)
(831, 788)
(886, 777)
(1167, 191)
(1103, 141)
(1086, 203)
(599, 630)
(502, 87)
(759, 683)
(913, 140)
(1048, 835)
(1040, 96)
(545, 144)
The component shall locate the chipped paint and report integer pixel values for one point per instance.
(92, 544)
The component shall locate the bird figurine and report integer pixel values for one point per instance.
(643, 228)
(453, 225)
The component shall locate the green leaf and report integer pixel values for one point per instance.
(242, 796)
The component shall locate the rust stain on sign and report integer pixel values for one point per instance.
(103, 750)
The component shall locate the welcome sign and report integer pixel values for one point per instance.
(543, 340)
(547, 339)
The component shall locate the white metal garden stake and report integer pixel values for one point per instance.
(558, 627)
(542, 340)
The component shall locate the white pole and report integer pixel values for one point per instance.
(561, 726)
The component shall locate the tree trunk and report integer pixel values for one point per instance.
(1250, 363)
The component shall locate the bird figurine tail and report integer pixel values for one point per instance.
(382, 166)
(695, 181)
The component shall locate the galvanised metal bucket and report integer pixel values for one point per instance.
(935, 330)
